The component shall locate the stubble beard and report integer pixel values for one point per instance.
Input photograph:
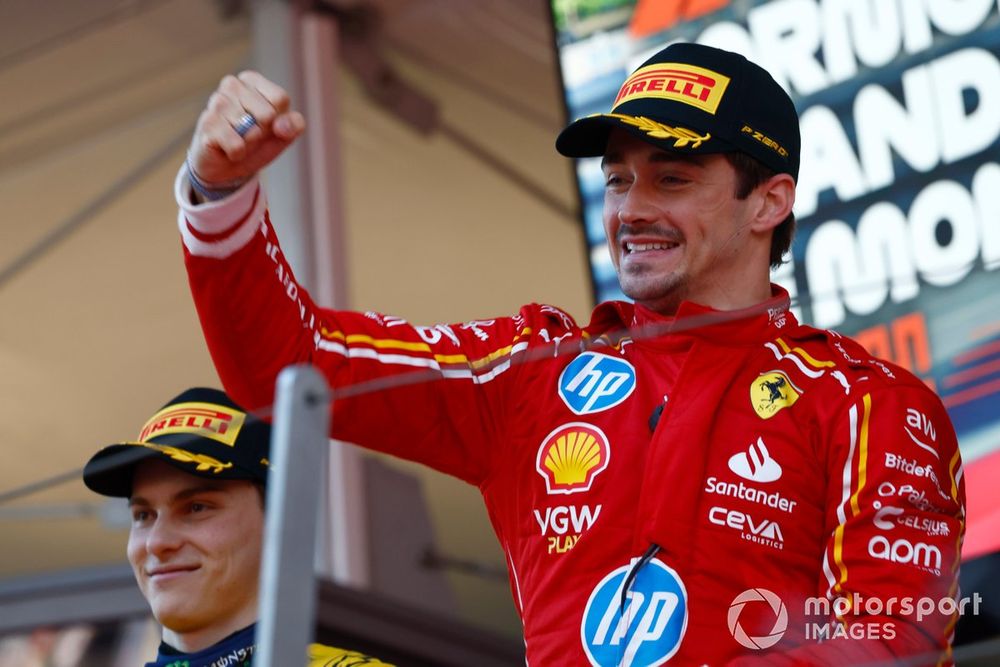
(662, 294)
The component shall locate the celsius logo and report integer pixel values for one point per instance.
(649, 630)
(757, 595)
(884, 514)
(594, 382)
(755, 464)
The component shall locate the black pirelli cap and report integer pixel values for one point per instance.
(690, 98)
(201, 431)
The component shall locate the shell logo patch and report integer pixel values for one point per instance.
(571, 456)
(771, 392)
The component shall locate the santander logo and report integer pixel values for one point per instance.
(755, 464)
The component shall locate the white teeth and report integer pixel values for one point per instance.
(642, 247)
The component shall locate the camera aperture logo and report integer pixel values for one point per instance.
(850, 617)
(757, 596)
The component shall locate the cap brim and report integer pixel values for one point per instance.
(109, 471)
(588, 137)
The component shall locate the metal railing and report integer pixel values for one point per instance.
(298, 456)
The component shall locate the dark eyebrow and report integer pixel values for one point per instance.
(610, 158)
(181, 495)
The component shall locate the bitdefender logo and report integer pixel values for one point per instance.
(755, 464)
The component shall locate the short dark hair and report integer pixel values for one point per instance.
(261, 493)
(750, 173)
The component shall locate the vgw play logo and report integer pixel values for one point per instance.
(648, 630)
(594, 382)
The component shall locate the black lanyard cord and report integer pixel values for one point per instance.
(634, 571)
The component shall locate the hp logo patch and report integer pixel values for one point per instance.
(594, 382)
(650, 630)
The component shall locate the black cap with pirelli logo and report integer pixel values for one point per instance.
(201, 431)
(691, 98)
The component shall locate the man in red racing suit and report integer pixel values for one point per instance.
(697, 484)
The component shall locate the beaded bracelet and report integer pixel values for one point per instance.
(214, 193)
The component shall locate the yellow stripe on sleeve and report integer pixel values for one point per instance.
(805, 356)
(953, 473)
(388, 343)
(838, 556)
(861, 476)
(409, 346)
(862, 454)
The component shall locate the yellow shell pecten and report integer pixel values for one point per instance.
(572, 456)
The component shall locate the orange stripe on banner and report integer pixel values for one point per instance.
(974, 373)
(650, 16)
(984, 350)
(971, 394)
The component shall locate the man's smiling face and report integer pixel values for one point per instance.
(674, 225)
(195, 549)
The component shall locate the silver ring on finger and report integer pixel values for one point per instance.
(246, 123)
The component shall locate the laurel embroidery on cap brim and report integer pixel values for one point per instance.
(204, 462)
(681, 135)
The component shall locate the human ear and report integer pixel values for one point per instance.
(775, 198)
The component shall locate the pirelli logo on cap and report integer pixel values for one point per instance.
(206, 420)
(692, 85)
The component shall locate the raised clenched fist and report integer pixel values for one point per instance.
(245, 126)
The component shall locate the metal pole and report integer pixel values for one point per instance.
(298, 48)
(298, 457)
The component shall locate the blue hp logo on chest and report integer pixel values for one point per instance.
(647, 630)
(594, 382)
